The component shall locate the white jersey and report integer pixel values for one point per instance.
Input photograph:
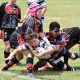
(41, 2)
(42, 45)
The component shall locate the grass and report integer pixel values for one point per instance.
(67, 12)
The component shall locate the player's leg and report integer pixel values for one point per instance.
(60, 65)
(6, 43)
(66, 54)
(39, 64)
(29, 63)
(7, 34)
(13, 61)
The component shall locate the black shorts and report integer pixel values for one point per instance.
(7, 34)
(64, 53)
(56, 63)
(14, 40)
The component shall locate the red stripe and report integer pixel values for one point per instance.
(29, 65)
(20, 40)
(9, 10)
(50, 36)
(10, 63)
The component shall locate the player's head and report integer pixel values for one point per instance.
(35, 10)
(32, 39)
(54, 25)
(12, 1)
(54, 28)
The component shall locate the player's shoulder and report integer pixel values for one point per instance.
(3, 4)
(41, 41)
(18, 6)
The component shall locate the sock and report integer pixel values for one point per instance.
(70, 68)
(6, 54)
(29, 65)
(14, 60)
(66, 60)
(11, 62)
(6, 61)
(41, 63)
(76, 55)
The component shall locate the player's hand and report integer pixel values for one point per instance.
(9, 58)
(64, 42)
(59, 48)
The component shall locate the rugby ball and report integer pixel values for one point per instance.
(40, 49)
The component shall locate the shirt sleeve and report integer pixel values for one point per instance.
(20, 40)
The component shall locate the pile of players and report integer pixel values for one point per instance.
(30, 40)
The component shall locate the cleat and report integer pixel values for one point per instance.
(73, 69)
(4, 69)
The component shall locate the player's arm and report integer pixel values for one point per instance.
(43, 11)
(49, 50)
(15, 51)
(25, 16)
(44, 8)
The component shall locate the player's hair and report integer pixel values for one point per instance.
(31, 36)
(54, 25)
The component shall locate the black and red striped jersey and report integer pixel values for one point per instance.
(52, 39)
(10, 15)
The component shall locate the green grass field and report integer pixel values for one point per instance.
(67, 13)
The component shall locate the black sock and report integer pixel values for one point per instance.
(66, 60)
(29, 65)
(40, 63)
(11, 62)
(14, 60)
(6, 54)
(76, 55)
(70, 68)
